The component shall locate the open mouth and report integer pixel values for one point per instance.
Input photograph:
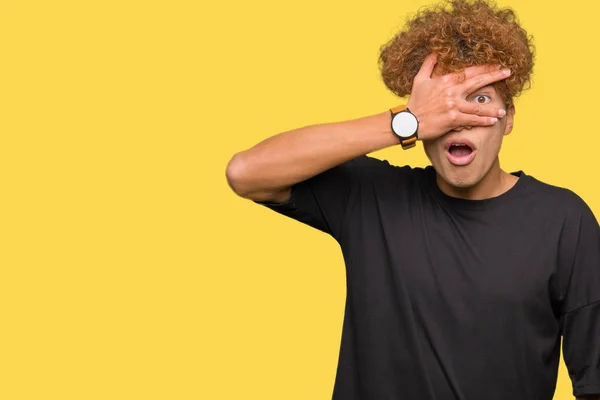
(460, 152)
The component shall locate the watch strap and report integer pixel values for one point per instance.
(408, 143)
(397, 109)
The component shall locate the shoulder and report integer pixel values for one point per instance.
(561, 201)
(372, 167)
(370, 162)
(380, 180)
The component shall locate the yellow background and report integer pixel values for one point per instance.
(129, 270)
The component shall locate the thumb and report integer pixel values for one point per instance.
(427, 67)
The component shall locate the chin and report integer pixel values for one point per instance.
(461, 179)
(463, 184)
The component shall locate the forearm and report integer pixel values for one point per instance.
(268, 170)
(290, 157)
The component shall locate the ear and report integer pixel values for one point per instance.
(510, 118)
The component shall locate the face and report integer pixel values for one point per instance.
(464, 156)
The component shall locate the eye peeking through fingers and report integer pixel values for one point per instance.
(481, 99)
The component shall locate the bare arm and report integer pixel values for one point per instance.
(267, 171)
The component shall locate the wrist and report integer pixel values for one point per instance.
(384, 123)
(404, 125)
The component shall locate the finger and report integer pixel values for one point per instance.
(461, 76)
(480, 69)
(483, 110)
(427, 67)
(474, 120)
(482, 80)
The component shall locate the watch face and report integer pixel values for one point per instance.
(404, 124)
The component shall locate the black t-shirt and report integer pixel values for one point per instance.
(454, 299)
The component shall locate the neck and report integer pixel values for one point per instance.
(494, 183)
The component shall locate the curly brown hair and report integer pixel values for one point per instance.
(463, 33)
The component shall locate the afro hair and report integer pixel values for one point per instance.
(462, 33)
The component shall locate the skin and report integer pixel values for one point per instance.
(482, 178)
(268, 170)
(439, 102)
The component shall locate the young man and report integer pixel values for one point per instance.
(461, 277)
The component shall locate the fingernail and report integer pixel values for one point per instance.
(501, 112)
(494, 120)
(506, 71)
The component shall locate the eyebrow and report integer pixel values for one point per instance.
(489, 89)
